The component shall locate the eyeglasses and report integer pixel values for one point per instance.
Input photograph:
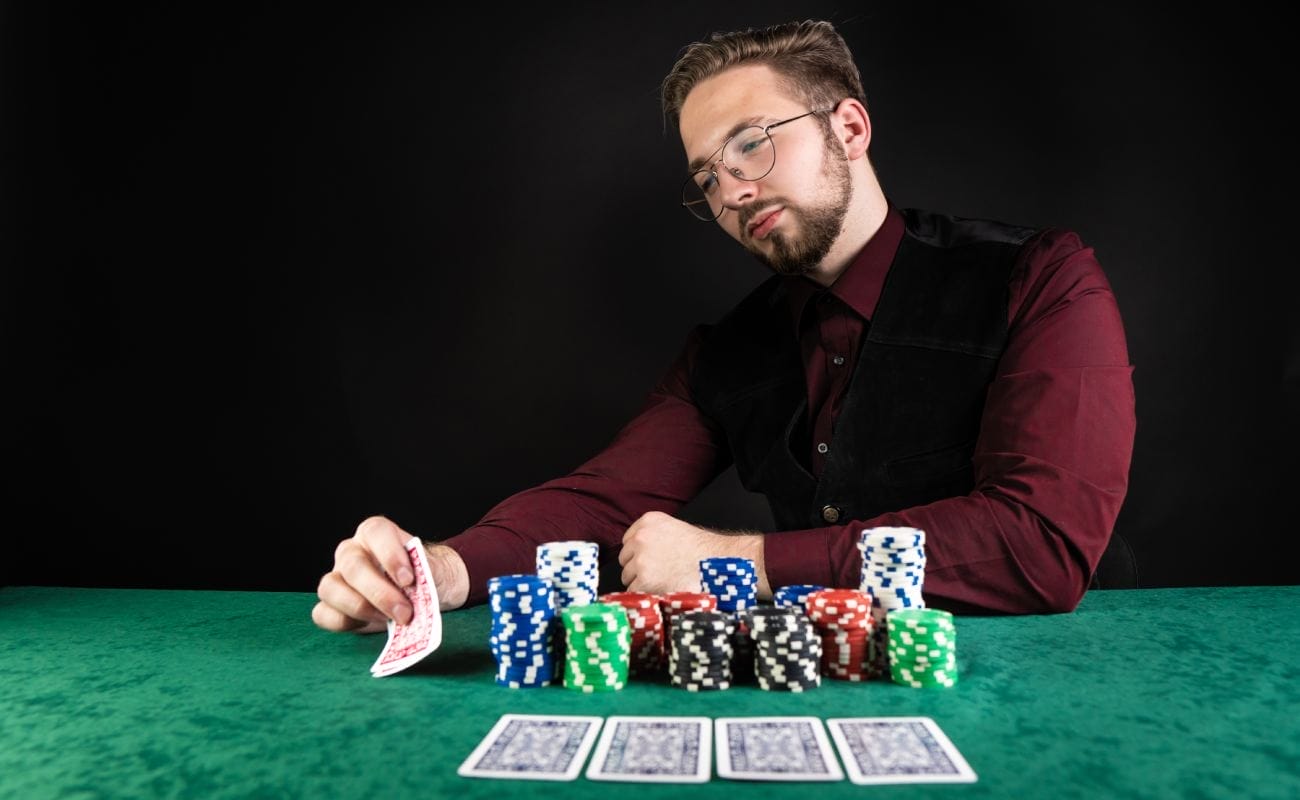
(749, 155)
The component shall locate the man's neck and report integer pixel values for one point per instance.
(867, 212)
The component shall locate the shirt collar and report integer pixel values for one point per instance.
(860, 284)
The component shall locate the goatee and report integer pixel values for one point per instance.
(819, 226)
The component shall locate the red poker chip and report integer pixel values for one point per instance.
(646, 622)
(694, 601)
(640, 600)
(840, 614)
(845, 654)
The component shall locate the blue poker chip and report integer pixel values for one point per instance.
(520, 639)
(731, 580)
(794, 595)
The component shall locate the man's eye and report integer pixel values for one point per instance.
(751, 145)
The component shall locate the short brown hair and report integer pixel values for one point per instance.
(811, 57)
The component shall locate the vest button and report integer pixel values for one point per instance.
(830, 513)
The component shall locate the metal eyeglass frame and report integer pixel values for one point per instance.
(767, 131)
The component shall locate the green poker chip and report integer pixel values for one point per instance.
(598, 647)
(922, 647)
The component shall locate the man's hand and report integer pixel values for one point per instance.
(364, 589)
(662, 554)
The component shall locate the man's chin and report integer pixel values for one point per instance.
(780, 260)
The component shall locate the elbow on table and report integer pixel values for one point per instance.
(1063, 601)
(1014, 590)
(1030, 602)
(1060, 591)
(1041, 588)
(1058, 567)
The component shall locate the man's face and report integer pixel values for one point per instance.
(809, 187)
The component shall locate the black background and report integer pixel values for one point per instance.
(267, 272)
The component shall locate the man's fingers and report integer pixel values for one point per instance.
(373, 627)
(625, 554)
(355, 561)
(362, 575)
(332, 619)
(641, 585)
(336, 592)
(364, 589)
(386, 543)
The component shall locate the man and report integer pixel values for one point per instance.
(902, 368)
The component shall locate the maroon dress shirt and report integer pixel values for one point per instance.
(1051, 463)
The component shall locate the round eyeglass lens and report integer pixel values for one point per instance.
(749, 156)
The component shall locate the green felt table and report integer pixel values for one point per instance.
(1183, 693)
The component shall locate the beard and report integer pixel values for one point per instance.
(818, 226)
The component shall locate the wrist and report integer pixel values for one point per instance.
(750, 545)
(753, 544)
(450, 576)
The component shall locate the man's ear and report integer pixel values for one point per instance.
(853, 127)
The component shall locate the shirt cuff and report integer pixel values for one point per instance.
(799, 557)
(487, 555)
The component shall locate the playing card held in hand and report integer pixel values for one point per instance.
(408, 644)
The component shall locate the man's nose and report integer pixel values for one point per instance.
(734, 191)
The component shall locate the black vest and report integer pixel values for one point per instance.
(906, 430)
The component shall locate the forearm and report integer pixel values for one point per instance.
(505, 541)
(1027, 538)
(985, 553)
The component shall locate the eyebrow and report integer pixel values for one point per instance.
(696, 163)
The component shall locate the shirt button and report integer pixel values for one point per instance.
(830, 513)
(822, 447)
(838, 361)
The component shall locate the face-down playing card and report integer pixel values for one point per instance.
(654, 750)
(775, 749)
(898, 750)
(408, 644)
(533, 747)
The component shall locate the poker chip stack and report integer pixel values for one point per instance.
(922, 647)
(735, 583)
(573, 568)
(523, 610)
(674, 604)
(844, 619)
(732, 580)
(599, 647)
(893, 573)
(795, 594)
(699, 657)
(787, 649)
(742, 646)
(647, 624)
